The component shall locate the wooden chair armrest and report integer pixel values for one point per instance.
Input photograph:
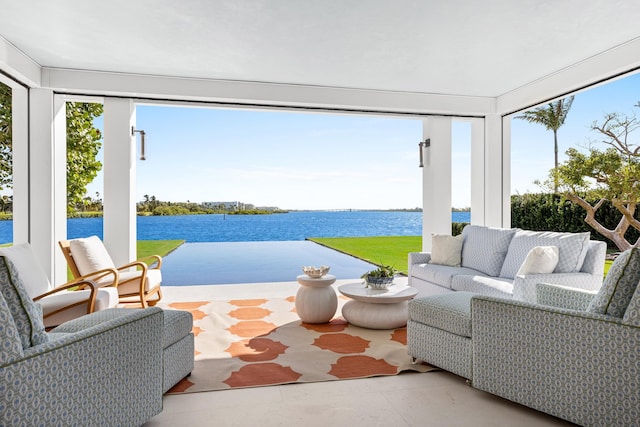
(157, 259)
(91, 300)
(140, 264)
(100, 274)
(71, 285)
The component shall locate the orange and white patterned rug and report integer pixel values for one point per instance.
(259, 342)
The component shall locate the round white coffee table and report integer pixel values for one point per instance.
(316, 301)
(377, 308)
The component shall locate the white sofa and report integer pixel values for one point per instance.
(490, 259)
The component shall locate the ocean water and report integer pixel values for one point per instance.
(290, 226)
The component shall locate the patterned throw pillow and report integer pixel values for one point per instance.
(572, 250)
(10, 344)
(619, 285)
(485, 248)
(26, 314)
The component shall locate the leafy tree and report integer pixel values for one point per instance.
(83, 145)
(551, 116)
(612, 174)
(6, 168)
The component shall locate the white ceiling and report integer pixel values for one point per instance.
(462, 47)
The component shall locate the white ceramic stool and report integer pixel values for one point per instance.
(316, 301)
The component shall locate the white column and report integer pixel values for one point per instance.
(119, 180)
(436, 179)
(478, 206)
(20, 153)
(48, 184)
(494, 176)
(506, 171)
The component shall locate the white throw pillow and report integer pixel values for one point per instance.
(540, 260)
(446, 250)
(90, 255)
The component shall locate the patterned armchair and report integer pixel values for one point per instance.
(106, 374)
(574, 354)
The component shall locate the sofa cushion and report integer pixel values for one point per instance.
(540, 260)
(450, 312)
(484, 248)
(177, 325)
(619, 286)
(491, 286)
(572, 249)
(446, 250)
(26, 314)
(440, 274)
(10, 343)
(90, 255)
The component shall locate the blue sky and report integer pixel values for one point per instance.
(532, 145)
(332, 161)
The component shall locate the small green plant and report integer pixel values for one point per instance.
(381, 271)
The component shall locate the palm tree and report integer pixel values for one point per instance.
(551, 116)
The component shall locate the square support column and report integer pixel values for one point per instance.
(496, 179)
(478, 162)
(119, 180)
(436, 179)
(20, 154)
(47, 181)
(506, 171)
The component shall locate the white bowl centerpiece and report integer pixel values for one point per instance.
(380, 278)
(316, 272)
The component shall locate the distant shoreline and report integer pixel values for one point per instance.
(99, 214)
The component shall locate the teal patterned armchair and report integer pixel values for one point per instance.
(106, 374)
(574, 354)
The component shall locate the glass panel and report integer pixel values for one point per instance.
(461, 171)
(6, 165)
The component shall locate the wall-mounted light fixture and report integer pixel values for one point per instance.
(141, 132)
(421, 146)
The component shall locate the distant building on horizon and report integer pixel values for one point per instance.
(232, 206)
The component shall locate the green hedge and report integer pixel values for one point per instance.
(552, 212)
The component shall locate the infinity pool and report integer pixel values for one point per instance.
(253, 262)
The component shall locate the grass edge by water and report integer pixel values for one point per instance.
(379, 250)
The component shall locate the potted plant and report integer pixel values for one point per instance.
(380, 278)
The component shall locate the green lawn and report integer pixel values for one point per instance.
(157, 247)
(387, 250)
(607, 265)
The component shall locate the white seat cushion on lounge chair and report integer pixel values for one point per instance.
(106, 298)
(127, 285)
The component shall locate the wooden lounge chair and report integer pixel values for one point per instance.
(137, 281)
